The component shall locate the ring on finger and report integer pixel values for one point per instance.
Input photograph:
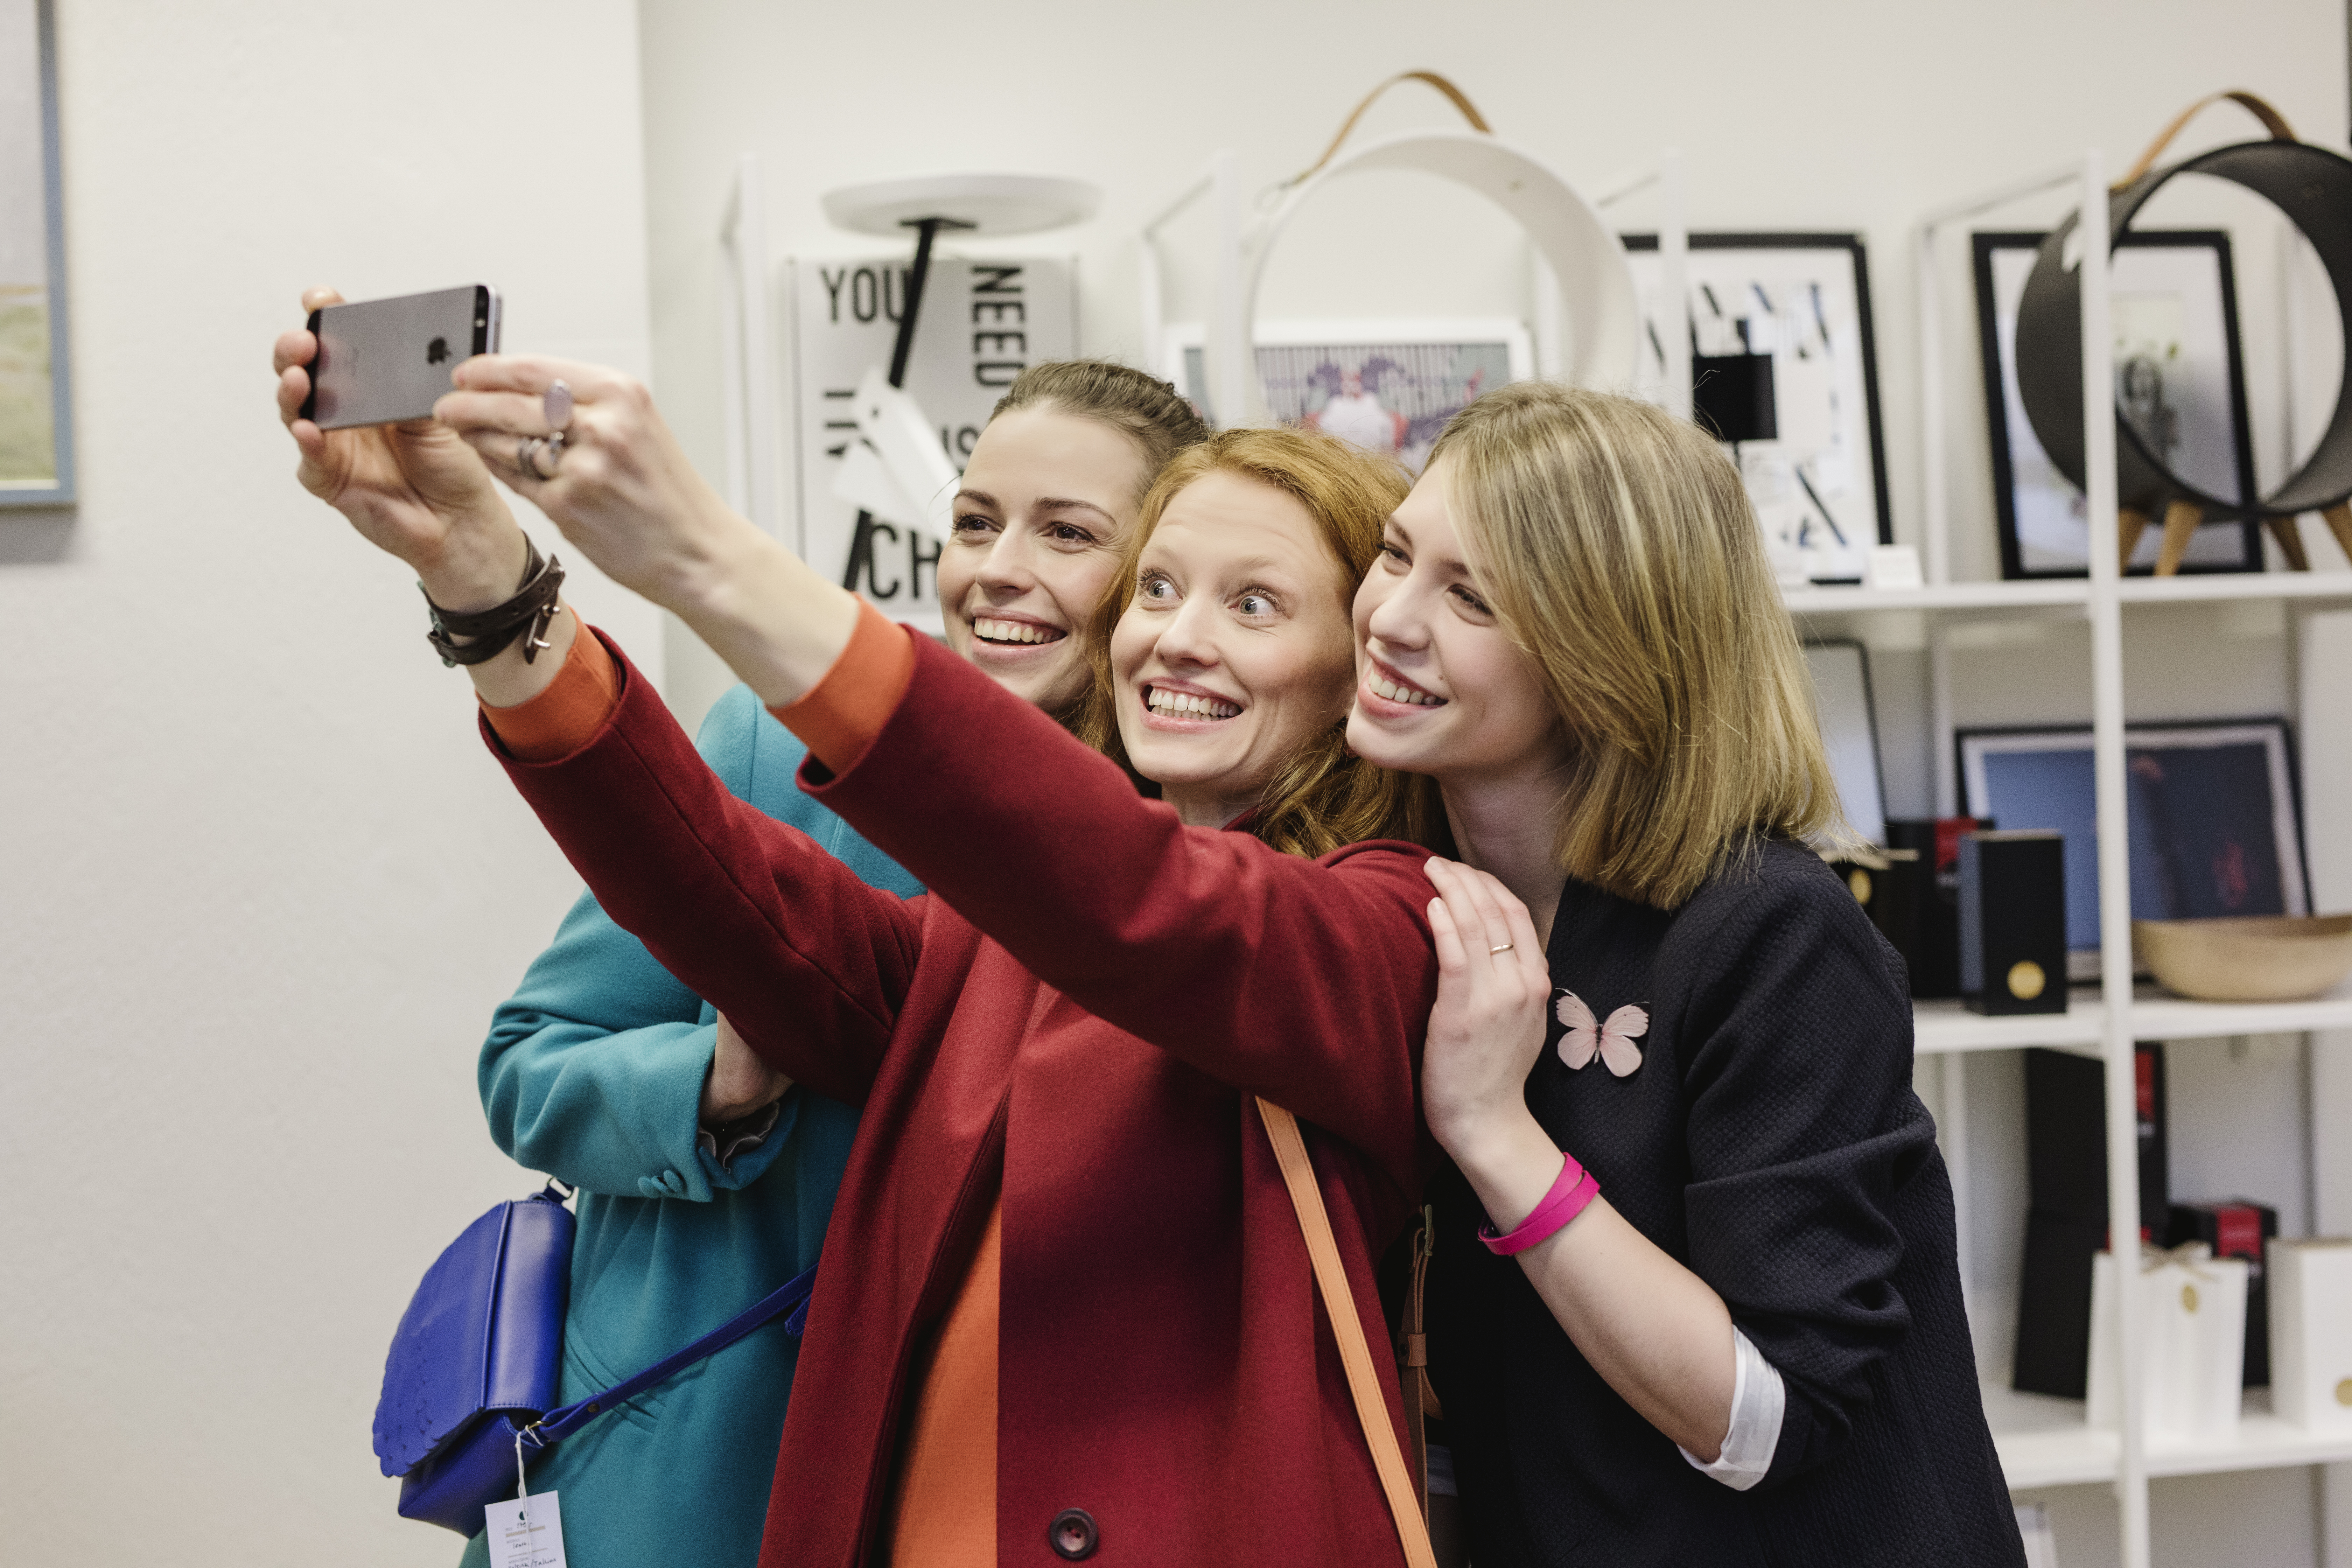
(557, 405)
(528, 451)
(1504, 948)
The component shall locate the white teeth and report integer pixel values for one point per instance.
(994, 630)
(1382, 686)
(1185, 705)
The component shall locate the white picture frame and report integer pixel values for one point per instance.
(1819, 482)
(1422, 371)
(2173, 823)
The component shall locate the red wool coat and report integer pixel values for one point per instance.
(1080, 1009)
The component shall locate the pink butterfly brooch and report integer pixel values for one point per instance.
(1612, 1041)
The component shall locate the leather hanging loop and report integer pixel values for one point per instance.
(2273, 121)
(1453, 94)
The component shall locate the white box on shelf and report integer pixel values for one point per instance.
(2311, 1332)
(2041, 1541)
(2193, 1311)
(1892, 567)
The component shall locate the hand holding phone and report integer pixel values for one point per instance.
(414, 490)
(383, 361)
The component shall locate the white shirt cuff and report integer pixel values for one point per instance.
(1758, 1399)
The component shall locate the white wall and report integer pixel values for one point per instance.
(1833, 115)
(260, 884)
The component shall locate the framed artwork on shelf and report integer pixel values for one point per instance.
(1841, 672)
(36, 466)
(2215, 825)
(2179, 381)
(1785, 371)
(1388, 386)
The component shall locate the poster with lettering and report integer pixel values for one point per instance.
(981, 323)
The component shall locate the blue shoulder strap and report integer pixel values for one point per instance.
(790, 1297)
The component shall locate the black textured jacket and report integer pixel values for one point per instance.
(1770, 1141)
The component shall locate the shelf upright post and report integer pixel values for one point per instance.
(2115, 849)
(1674, 280)
(1150, 278)
(1229, 373)
(1936, 527)
(748, 365)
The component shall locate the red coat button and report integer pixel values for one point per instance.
(1073, 1534)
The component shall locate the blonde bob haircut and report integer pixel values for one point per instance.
(1323, 796)
(1618, 548)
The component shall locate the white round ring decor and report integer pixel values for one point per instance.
(986, 204)
(1599, 316)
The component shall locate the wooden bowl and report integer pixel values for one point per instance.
(2251, 958)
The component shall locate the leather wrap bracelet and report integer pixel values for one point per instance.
(1572, 1192)
(527, 616)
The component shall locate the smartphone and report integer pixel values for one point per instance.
(382, 360)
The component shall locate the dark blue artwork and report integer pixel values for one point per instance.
(2205, 818)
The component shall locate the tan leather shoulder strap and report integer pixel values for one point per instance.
(2273, 121)
(1355, 1350)
(1453, 95)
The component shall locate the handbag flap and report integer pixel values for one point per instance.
(483, 1331)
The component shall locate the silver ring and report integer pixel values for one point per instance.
(557, 406)
(1504, 948)
(527, 450)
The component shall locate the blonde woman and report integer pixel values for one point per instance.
(1694, 1295)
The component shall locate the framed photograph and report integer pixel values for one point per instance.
(35, 407)
(2214, 830)
(1850, 730)
(1785, 371)
(1385, 386)
(2179, 381)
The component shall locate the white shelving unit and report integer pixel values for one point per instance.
(2046, 1442)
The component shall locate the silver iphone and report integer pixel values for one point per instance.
(384, 360)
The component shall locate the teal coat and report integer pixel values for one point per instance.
(593, 1073)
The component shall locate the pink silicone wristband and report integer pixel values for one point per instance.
(1572, 1194)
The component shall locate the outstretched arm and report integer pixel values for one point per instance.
(423, 492)
(1309, 983)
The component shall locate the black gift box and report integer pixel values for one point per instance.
(1890, 886)
(2013, 921)
(2066, 1180)
(2066, 1136)
(2238, 1228)
(2053, 1304)
(1934, 955)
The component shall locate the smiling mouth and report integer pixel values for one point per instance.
(1170, 704)
(1380, 683)
(1014, 633)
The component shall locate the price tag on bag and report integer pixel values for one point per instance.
(525, 1533)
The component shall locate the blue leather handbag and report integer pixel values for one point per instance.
(472, 1375)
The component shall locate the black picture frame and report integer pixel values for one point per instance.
(2228, 545)
(1851, 253)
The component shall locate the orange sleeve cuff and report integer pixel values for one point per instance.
(565, 717)
(840, 716)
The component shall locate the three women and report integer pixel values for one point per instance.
(1646, 760)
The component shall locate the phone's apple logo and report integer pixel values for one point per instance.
(436, 351)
